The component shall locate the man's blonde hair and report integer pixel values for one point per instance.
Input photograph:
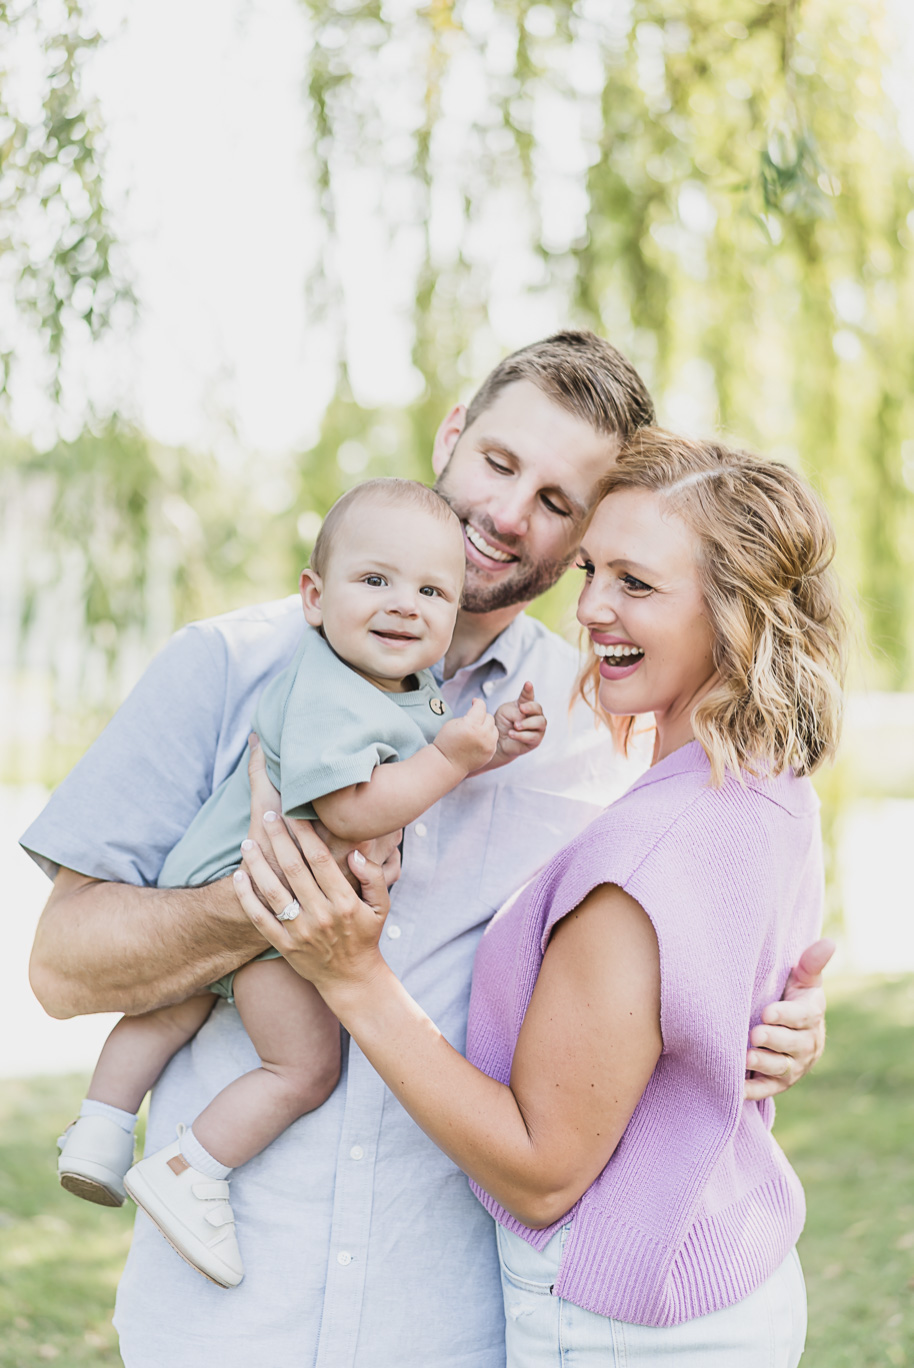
(766, 548)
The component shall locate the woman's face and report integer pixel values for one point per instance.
(643, 608)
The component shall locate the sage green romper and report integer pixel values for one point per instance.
(322, 727)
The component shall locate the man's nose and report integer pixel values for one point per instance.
(512, 515)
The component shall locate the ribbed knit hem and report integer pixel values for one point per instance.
(631, 1276)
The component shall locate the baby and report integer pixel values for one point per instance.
(380, 601)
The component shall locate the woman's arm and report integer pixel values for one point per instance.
(588, 1046)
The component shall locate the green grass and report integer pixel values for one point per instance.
(849, 1130)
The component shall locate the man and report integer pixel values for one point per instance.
(361, 1241)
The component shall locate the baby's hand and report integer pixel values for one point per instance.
(469, 742)
(521, 726)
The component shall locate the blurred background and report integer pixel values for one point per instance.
(252, 251)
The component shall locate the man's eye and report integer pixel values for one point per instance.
(375, 581)
(554, 507)
(636, 586)
(430, 591)
(498, 466)
(585, 565)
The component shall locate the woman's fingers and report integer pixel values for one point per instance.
(308, 855)
(272, 888)
(265, 921)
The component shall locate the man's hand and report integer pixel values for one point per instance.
(469, 742)
(521, 726)
(384, 850)
(792, 1037)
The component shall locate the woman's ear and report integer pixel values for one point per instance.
(310, 588)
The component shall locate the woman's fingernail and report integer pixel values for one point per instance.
(237, 876)
(247, 845)
(269, 816)
(358, 858)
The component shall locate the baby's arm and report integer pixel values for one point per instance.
(396, 794)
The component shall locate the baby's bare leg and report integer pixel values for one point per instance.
(139, 1047)
(298, 1041)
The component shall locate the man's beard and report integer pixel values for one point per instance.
(527, 579)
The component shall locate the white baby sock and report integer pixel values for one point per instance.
(201, 1159)
(125, 1119)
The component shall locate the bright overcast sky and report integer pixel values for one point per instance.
(208, 167)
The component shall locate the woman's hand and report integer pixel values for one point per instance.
(333, 942)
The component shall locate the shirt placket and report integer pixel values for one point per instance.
(356, 1170)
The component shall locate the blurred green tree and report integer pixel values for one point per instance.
(719, 188)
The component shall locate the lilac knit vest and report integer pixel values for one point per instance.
(698, 1205)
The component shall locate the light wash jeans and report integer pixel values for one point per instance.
(765, 1330)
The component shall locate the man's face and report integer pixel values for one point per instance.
(521, 480)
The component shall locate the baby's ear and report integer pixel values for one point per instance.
(310, 588)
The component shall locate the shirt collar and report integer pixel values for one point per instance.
(503, 655)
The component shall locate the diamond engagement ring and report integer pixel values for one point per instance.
(289, 913)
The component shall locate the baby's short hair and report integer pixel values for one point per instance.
(389, 492)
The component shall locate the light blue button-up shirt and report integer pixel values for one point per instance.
(362, 1244)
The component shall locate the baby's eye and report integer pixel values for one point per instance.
(636, 586)
(587, 566)
(374, 581)
(430, 591)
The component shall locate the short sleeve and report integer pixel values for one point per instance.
(130, 798)
(327, 729)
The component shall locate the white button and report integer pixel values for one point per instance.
(356, 1152)
(488, 687)
(394, 932)
(344, 1258)
(420, 829)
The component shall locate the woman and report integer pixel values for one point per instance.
(600, 1111)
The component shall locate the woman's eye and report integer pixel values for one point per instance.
(375, 581)
(586, 566)
(635, 586)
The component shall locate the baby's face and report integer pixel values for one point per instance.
(389, 596)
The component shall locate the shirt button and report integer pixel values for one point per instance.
(356, 1152)
(344, 1257)
(420, 829)
(488, 687)
(394, 932)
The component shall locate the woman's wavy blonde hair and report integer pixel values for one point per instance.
(766, 547)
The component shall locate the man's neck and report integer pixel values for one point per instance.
(474, 634)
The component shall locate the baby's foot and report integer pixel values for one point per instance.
(192, 1211)
(95, 1153)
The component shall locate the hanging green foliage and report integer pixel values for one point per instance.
(719, 188)
(57, 250)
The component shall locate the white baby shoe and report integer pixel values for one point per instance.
(95, 1153)
(192, 1211)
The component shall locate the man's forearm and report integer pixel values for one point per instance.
(105, 947)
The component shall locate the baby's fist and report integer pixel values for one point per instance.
(469, 741)
(521, 726)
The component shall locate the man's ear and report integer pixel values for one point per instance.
(446, 437)
(310, 588)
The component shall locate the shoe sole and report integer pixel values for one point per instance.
(90, 1190)
(133, 1195)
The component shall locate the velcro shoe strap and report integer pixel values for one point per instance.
(220, 1215)
(215, 1191)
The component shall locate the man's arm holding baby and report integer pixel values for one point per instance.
(399, 793)
(111, 947)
